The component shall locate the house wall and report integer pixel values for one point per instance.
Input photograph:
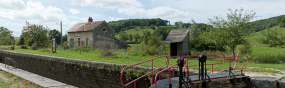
(183, 48)
(186, 45)
(103, 36)
(82, 36)
(105, 30)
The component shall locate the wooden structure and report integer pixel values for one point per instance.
(179, 42)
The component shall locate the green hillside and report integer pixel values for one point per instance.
(260, 48)
(263, 24)
(136, 30)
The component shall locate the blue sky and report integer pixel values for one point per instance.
(14, 13)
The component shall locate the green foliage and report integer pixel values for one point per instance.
(161, 32)
(146, 36)
(21, 41)
(201, 44)
(12, 48)
(151, 44)
(263, 24)
(24, 47)
(137, 38)
(55, 34)
(6, 37)
(233, 30)
(269, 58)
(245, 49)
(35, 34)
(64, 38)
(274, 37)
(107, 53)
(123, 36)
(122, 25)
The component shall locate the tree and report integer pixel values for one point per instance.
(55, 34)
(281, 24)
(130, 37)
(233, 30)
(194, 30)
(64, 38)
(6, 37)
(35, 33)
(123, 36)
(136, 38)
(146, 36)
(273, 37)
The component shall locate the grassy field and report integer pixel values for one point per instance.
(133, 56)
(123, 57)
(8, 80)
(259, 48)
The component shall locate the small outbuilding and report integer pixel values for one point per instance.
(179, 42)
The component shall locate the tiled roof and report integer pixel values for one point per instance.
(176, 35)
(85, 26)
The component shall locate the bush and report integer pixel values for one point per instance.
(245, 49)
(12, 48)
(34, 47)
(107, 53)
(24, 47)
(202, 45)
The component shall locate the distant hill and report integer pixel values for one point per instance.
(263, 24)
(132, 23)
(16, 38)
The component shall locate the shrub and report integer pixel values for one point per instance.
(24, 47)
(34, 47)
(245, 49)
(107, 53)
(12, 48)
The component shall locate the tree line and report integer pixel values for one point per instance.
(123, 25)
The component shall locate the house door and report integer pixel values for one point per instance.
(78, 42)
(71, 42)
(173, 49)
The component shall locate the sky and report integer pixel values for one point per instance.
(15, 13)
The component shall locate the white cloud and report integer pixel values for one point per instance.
(15, 27)
(12, 5)
(36, 12)
(128, 7)
(74, 11)
(33, 12)
(113, 19)
(169, 14)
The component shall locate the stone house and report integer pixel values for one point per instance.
(97, 34)
(179, 42)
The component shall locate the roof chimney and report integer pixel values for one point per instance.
(90, 19)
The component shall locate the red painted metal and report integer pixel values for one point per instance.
(152, 73)
(220, 56)
(122, 72)
(163, 71)
(135, 84)
(172, 67)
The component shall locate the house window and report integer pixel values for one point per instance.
(71, 42)
(87, 41)
(104, 30)
(78, 42)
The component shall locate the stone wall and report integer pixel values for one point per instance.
(80, 73)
